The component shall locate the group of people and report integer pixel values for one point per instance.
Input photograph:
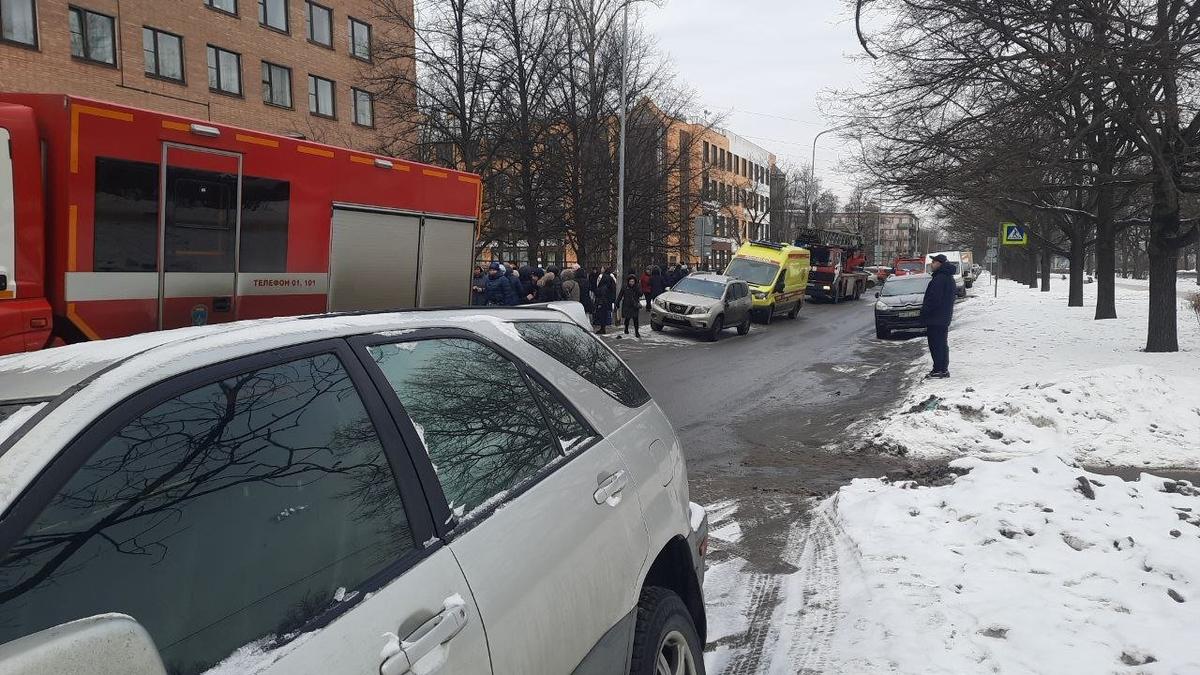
(508, 284)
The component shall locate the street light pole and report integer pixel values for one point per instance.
(617, 271)
(812, 171)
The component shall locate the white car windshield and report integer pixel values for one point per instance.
(704, 287)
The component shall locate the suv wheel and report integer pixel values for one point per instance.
(665, 641)
(714, 332)
(656, 327)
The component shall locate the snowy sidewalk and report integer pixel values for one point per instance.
(1018, 568)
(1031, 374)
(1028, 563)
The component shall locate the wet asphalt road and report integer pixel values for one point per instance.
(754, 413)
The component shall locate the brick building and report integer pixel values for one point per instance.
(728, 178)
(287, 66)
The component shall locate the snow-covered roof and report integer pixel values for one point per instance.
(48, 373)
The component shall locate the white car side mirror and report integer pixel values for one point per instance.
(108, 644)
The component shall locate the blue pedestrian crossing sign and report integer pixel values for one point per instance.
(1012, 234)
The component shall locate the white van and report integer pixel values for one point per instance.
(960, 276)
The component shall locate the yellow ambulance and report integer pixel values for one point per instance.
(777, 275)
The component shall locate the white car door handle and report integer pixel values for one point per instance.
(420, 643)
(611, 487)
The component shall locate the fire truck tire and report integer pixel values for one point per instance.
(857, 291)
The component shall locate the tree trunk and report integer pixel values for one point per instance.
(1078, 267)
(1046, 255)
(1162, 328)
(1031, 259)
(1106, 258)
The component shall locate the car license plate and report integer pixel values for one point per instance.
(910, 315)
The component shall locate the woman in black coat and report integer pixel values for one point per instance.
(631, 304)
(606, 293)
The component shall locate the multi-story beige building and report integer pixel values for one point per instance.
(894, 231)
(292, 67)
(727, 178)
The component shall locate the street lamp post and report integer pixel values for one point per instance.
(812, 171)
(617, 271)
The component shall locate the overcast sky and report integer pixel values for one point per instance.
(764, 63)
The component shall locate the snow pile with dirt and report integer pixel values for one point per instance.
(1031, 374)
(1028, 565)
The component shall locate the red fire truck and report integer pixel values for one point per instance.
(837, 264)
(115, 220)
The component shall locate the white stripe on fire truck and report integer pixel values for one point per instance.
(197, 284)
(84, 286)
(88, 286)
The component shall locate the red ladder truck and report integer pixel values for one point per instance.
(116, 220)
(837, 264)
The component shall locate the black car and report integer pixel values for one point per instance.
(899, 304)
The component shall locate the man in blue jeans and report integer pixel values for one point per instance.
(936, 311)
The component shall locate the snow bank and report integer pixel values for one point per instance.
(1014, 569)
(1031, 374)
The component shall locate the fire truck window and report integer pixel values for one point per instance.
(126, 216)
(264, 224)
(200, 220)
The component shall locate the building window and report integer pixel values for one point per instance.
(319, 21)
(364, 107)
(93, 36)
(706, 147)
(360, 39)
(18, 22)
(163, 53)
(273, 14)
(277, 85)
(224, 71)
(320, 97)
(227, 6)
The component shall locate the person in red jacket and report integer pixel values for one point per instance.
(646, 286)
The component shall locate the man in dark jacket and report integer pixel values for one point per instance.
(658, 284)
(936, 312)
(497, 290)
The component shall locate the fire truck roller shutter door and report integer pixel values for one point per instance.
(447, 247)
(373, 260)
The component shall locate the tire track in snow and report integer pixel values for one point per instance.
(812, 602)
(764, 597)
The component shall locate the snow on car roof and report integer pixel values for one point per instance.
(45, 374)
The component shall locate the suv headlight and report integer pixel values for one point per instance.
(658, 302)
(881, 306)
(698, 310)
(759, 295)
